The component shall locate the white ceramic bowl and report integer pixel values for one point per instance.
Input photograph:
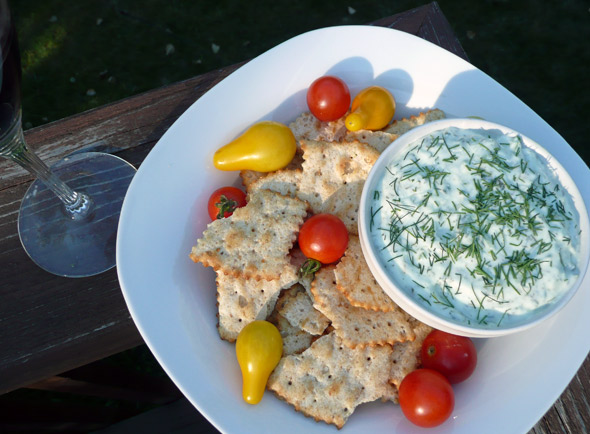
(423, 311)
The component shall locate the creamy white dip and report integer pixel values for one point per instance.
(476, 227)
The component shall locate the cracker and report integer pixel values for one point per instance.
(241, 301)
(406, 355)
(308, 127)
(406, 124)
(329, 380)
(250, 176)
(295, 305)
(333, 178)
(376, 139)
(254, 242)
(295, 340)
(298, 259)
(285, 181)
(358, 327)
(356, 282)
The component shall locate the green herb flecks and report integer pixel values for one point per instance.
(472, 212)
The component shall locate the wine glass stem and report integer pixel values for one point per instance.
(76, 204)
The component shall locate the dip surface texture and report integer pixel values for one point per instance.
(476, 227)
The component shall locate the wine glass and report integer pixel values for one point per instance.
(68, 217)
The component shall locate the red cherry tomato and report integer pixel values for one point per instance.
(426, 398)
(224, 201)
(324, 238)
(328, 98)
(453, 356)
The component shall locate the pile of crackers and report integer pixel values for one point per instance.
(345, 342)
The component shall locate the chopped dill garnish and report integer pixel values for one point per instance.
(473, 211)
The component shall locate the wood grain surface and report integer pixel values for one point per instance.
(51, 324)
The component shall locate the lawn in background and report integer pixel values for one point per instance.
(83, 54)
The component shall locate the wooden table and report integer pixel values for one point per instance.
(50, 325)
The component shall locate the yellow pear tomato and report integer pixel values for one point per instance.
(372, 109)
(259, 348)
(264, 147)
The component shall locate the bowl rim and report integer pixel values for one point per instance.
(404, 300)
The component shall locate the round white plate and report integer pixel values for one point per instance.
(172, 300)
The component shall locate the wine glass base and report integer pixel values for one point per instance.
(76, 248)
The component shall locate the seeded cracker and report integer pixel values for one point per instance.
(356, 326)
(241, 301)
(356, 282)
(329, 380)
(333, 178)
(254, 242)
(295, 305)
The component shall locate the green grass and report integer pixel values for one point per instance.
(78, 55)
(117, 48)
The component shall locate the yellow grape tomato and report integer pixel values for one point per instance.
(264, 147)
(372, 109)
(259, 348)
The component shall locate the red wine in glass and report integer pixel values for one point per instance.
(68, 217)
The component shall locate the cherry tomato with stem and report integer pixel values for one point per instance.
(323, 238)
(328, 98)
(224, 201)
(426, 398)
(453, 356)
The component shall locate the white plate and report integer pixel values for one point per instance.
(172, 300)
